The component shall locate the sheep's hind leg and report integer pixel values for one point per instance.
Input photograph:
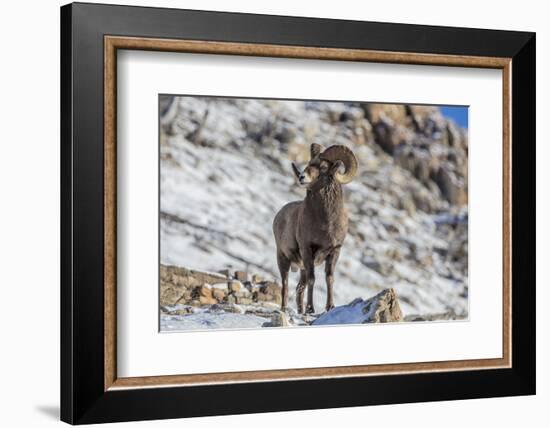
(300, 288)
(309, 268)
(284, 266)
(330, 264)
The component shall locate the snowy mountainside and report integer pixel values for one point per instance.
(226, 171)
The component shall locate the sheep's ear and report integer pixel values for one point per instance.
(315, 149)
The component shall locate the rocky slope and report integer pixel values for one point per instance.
(191, 300)
(225, 172)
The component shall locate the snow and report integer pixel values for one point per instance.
(204, 320)
(348, 314)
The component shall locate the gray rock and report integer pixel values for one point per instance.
(278, 319)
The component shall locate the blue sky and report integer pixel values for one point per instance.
(458, 113)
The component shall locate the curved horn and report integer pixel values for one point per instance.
(342, 153)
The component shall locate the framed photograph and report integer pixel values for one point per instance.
(266, 213)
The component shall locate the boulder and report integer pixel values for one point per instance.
(219, 294)
(207, 300)
(171, 294)
(384, 307)
(183, 311)
(176, 283)
(262, 297)
(278, 319)
(241, 275)
(269, 291)
(271, 288)
(221, 286)
(243, 292)
(207, 277)
(188, 277)
(205, 291)
(235, 286)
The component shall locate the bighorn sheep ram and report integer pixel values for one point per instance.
(312, 231)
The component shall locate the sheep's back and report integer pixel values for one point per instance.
(284, 226)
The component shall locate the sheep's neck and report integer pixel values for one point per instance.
(325, 203)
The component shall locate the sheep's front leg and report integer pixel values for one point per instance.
(330, 264)
(284, 266)
(309, 267)
(300, 288)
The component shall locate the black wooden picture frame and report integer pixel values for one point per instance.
(84, 397)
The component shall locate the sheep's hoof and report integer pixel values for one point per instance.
(329, 307)
(310, 309)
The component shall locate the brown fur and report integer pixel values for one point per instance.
(311, 232)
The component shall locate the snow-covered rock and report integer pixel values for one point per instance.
(384, 307)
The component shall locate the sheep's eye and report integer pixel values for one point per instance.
(324, 166)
